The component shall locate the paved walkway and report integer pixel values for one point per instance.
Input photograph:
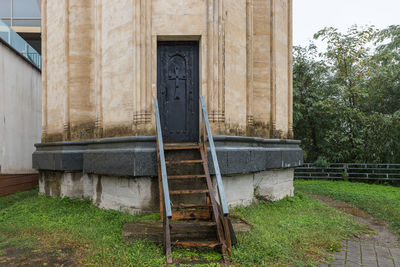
(381, 249)
(358, 253)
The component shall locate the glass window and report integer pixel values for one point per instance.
(26, 22)
(5, 9)
(26, 8)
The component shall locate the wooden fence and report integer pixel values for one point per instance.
(351, 171)
(12, 183)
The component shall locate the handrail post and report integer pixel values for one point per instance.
(167, 202)
(220, 185)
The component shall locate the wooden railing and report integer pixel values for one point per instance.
(208, 133)
(349, 171)
(165, 208)
(223, 207)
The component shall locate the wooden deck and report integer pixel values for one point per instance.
(12, 183)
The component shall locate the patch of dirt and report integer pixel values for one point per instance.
(14, 256)
(382, 237)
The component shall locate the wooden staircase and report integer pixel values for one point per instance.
(191, 215)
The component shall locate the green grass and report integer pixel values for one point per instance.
(296, 231)
(293, 232)
(381, 201)
(76, 223)
(10, 200)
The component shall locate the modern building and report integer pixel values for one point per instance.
(104, 63)
(20, 111)
(23, 16)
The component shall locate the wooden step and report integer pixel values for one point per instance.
(180, 225)
(183, 206)
(191, 214)
(185, 192)
(187, 176)
(210, 244)
(188, 161)
(181, 147)
(189, 231)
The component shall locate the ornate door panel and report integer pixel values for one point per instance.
(178, 90)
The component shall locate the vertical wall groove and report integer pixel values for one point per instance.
(273, 70)
(250, 62)
(216, 51)
(142, 62)
(67, 117)
(98, 68)
(137, 60)
(44, 70)
(148, 88)
(221, 62)
(210, 77)
(134, 49)
(290, 68)
(214, 111)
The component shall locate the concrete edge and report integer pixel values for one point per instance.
(153, 138)
(136, 156)
(19, 54)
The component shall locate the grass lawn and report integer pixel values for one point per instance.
(295, 231)
(381, 201)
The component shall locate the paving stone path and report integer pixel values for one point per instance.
(369, 250)
(358, 253)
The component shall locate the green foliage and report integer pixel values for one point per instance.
(10, 200)
(197, 254)
(381, 201)
(293, 232)
(321, 162)
(346, 100)
(345, 176)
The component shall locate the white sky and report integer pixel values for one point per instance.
(310, 16)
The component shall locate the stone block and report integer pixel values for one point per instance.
(274, 185)
(140, 194)
(239, 189)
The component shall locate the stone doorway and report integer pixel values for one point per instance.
(178, 90)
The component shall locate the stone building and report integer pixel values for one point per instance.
(104, 62)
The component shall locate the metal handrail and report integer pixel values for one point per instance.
(8, 35)
(167, 202)
(220, 185)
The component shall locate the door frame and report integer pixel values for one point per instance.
(177, 39)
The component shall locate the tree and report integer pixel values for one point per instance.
(346, 100)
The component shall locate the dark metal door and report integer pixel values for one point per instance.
(178, 90)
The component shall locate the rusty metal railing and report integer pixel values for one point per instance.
(167, 202)
(220, 186)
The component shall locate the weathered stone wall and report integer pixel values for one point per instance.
(80, 103)
(140, 194)
(99, 64)
(54, 59)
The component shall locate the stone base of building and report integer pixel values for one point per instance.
(140, 194)
(120, 173)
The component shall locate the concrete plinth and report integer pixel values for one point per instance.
(130, 194)
(121, 173)
(140, 194)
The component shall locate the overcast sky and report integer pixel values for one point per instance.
(309, 16)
